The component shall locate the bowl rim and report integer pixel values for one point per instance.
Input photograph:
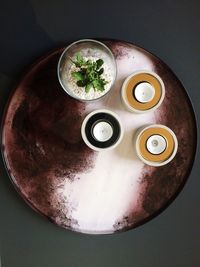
(62, 55)
(116, 116)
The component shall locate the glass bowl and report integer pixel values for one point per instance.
(89, 49)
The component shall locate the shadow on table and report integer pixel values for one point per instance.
(22, 35)
(6, 84)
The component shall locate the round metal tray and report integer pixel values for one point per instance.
(74, 186)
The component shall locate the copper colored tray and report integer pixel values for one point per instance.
(75, 187)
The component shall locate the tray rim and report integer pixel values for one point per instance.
(56, 50)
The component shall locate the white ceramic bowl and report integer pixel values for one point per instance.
(102, 130)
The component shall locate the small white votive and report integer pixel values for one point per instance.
(102, 131)
(156, 144)
(144, 92)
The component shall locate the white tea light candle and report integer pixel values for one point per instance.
(156, 144)
(102, 131)
(144, 92)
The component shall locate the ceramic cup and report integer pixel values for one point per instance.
(143, 91)
(156, 144)
(102, 130)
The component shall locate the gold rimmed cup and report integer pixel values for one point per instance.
(156, 144)
(143, 91)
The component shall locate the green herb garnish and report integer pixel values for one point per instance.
(89, 73)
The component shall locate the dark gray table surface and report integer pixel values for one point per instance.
(169, 29)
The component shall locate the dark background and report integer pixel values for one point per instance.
(171, 30)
